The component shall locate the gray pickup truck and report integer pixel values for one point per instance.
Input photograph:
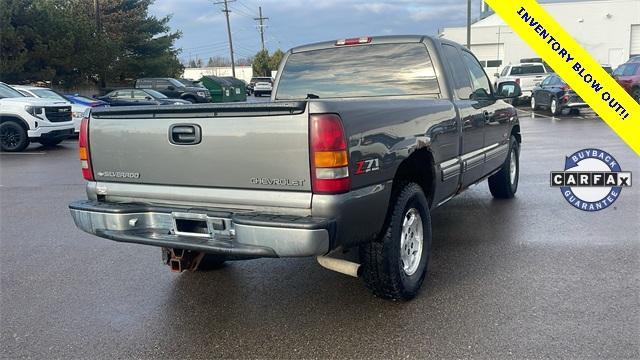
(361, 139)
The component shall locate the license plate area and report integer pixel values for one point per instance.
(201, 225)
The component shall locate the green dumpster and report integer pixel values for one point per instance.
(237, 88)
(219, 88)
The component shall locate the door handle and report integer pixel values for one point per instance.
(185, 134)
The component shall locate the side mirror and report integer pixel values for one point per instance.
(508, 90)
(148, 97)
(171, 88)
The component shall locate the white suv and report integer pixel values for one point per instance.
(77, 110)
(24, 119)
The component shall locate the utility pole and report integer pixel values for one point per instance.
(261, 26)
(469, 24)
(226, 11)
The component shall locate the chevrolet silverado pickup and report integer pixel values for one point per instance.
(361, 140)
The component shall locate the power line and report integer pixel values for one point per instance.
(260, 18)
(226, 12)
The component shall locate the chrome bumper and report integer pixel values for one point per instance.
(243, 234)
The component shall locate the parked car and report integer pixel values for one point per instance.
(83, 100)
(607, 68)
(262, 88)
(27, 119)
(174, 89)
(554, 94)
(77, 111)
(132, 97)
(527, 75)
(254, 80)
(302, 176)
(628, 76)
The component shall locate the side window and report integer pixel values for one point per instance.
(461, 81)
(162, 84)
(145, 84)
(547, 81)
(481, 84)
(505, 71)
(139, 95)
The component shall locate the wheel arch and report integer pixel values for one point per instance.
(419, 168)
(14, 118)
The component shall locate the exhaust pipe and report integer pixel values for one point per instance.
(338, 265)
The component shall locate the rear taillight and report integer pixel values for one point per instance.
(83, 144)
(328, 155)
(565, 88)
(518, 81)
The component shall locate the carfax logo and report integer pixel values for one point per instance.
(592, 179)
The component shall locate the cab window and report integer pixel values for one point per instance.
(480, 81)
(461, 82)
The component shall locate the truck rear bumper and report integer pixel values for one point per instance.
(245, 234)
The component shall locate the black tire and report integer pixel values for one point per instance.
(50, 142)
(190, 99)
(382, 265)
(636, 94)
(534, 104)
(13, 137)
(501, 184)
(558, 109)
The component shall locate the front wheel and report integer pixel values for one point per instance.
(395, 265)
(13, 137)
(504, 183)
(636, 94)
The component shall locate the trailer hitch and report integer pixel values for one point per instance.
(180, 260)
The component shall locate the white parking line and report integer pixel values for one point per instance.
(23, 153)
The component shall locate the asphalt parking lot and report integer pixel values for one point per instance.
(528, 278)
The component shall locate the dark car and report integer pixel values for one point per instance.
(628, 76)
(175, 89)
(554, 94)
(257, 79)
(83, 100)
(130, 97)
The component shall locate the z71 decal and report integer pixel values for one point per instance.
(365, 166)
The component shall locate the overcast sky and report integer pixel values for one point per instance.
(296, 22)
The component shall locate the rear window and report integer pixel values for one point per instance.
(358, 71)
(626, 70)
(527, 70)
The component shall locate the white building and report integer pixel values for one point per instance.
(242, 72)
(608, 29)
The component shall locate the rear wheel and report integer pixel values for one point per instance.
(504, 184)
(395, 266)
(534, 105)
(190, 99)
(13, 137)
(554, 107)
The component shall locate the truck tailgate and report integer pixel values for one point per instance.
(242, 146)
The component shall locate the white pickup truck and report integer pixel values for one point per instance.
(25, 119)
(527, 75)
